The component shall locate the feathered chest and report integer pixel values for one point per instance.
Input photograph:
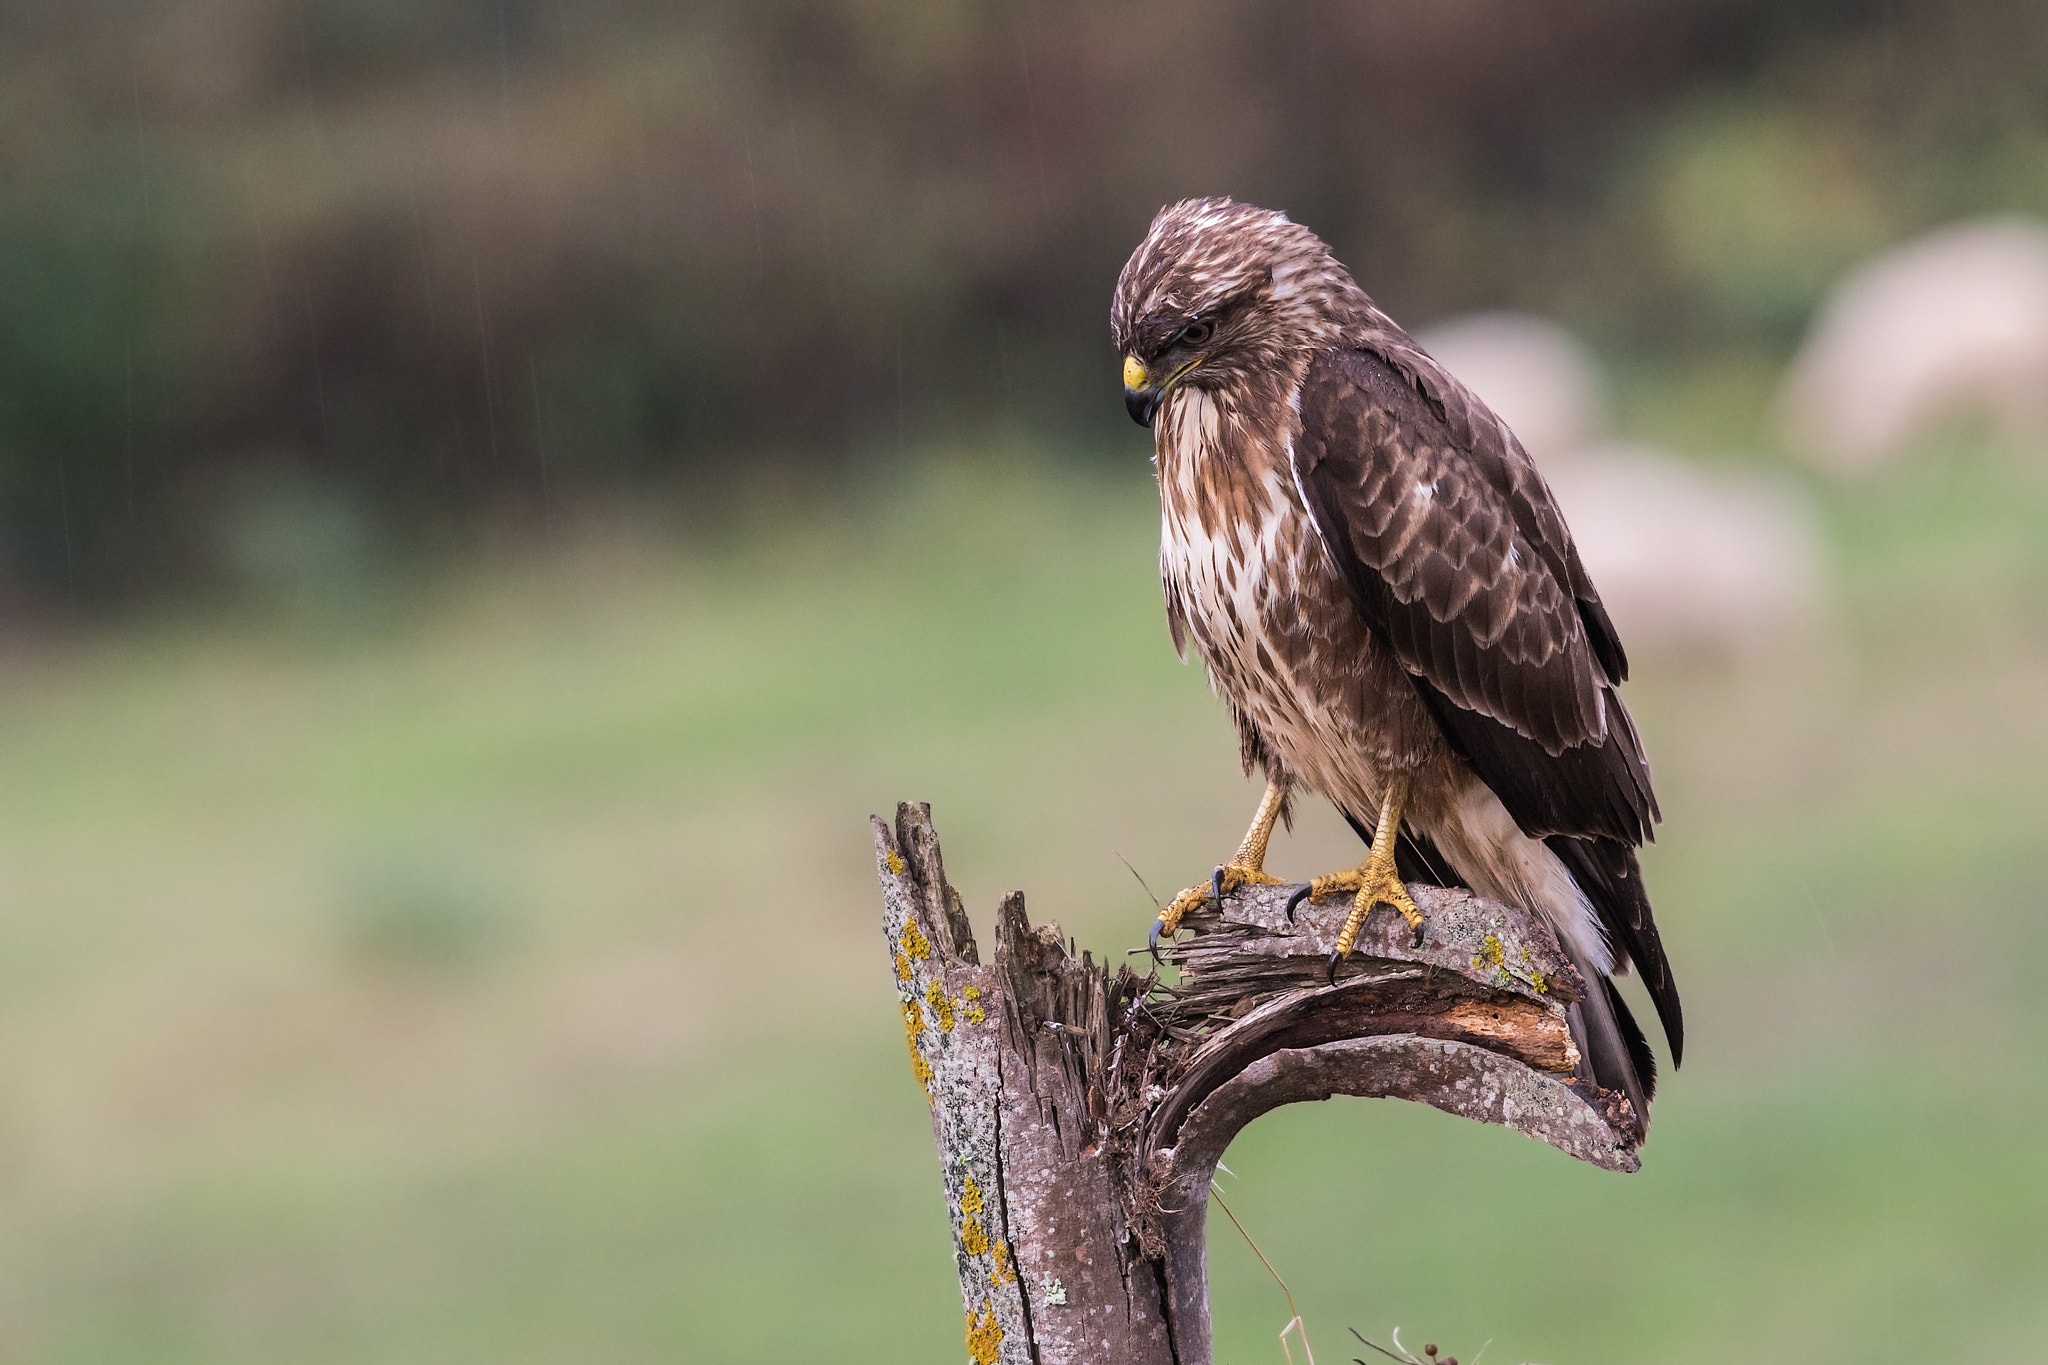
(1249, 583)
(1244, 573)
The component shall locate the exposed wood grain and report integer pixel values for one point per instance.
(1080, 1111)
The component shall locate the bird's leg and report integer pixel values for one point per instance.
(1246, 868)
(1375, 880)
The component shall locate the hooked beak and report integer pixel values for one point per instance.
(1140, 400)
(1141, 404)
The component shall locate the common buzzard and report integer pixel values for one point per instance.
(1380, 585)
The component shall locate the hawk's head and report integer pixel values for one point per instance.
(1218, 290)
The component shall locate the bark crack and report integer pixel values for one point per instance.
(1096, 1103)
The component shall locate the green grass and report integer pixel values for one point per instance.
(496, 977)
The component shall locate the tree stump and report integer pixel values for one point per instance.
(1080, 1110)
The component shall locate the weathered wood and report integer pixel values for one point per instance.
(1080, 1111)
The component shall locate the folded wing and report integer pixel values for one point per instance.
(1457, 557)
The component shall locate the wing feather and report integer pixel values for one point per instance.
(1456, 555)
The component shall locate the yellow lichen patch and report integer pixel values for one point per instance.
(1490, 955)
(984, 1336)
(973, 1237)
(914, 944)
(919, 1067)
(970, 1005)
(941, 1007)
(1536, 980)
(893, 861)
(902, 967)
(1005, 1272)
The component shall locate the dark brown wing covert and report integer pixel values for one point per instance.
(1456, 556)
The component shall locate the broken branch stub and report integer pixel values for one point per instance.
(1080, 1110)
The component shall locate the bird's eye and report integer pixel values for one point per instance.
(1197, 332)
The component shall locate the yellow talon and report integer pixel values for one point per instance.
(1376, 886)
(1235, 876)
(1322, 888)
(1170, 918)
(1229, 877)
(1246, 869)
(1375, 881)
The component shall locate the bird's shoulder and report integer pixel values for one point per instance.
(1418, 468)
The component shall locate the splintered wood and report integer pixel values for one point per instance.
(1080, 1111)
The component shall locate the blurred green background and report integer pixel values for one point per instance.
(493, 492)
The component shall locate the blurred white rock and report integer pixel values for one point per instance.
(1955, 322)
(1691, 559)
(1688, 559)
(1531, 371)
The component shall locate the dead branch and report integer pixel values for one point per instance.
(1080, 1110)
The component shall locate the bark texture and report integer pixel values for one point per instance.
(1080, 1110)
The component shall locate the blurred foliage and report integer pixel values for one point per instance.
(502, 984)
(421, 908)
(383, 972)
(459, 256)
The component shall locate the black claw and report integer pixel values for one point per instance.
(1217, 882)
(1296, 899)
(1335, 958)
(1152, 941)
(1418, 937)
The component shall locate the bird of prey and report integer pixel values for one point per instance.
(1382, 588)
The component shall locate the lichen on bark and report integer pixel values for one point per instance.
(1079, 1111)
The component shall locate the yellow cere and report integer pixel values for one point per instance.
(1134, 373)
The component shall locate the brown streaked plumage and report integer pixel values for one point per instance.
(1381, 587)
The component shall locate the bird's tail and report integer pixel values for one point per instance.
(1613, 1053)
(1582, 886)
